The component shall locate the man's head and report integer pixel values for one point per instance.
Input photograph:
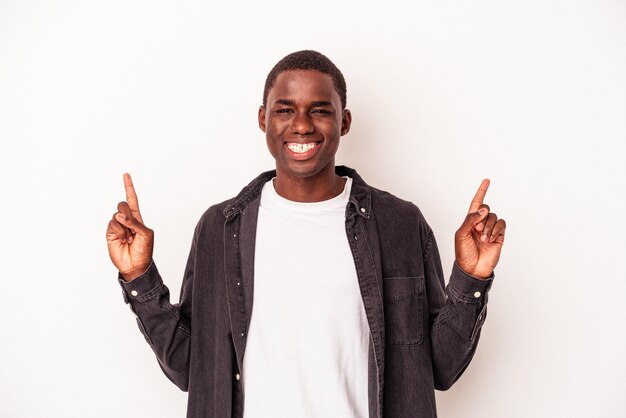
(303, 116)
(307, 60)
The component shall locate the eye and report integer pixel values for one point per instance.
(283, 110)
(321, 111)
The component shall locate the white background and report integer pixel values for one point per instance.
(531, 94)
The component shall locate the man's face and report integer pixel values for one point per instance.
(303, 121)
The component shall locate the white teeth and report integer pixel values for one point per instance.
(300, 148)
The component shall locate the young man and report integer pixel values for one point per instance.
(311, 293)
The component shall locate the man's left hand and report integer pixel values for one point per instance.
(478, 242)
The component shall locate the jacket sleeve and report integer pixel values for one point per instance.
(165, 326)
(457, 313)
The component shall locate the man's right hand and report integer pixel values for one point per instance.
(129, 241)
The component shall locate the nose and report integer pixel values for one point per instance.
(302, 124)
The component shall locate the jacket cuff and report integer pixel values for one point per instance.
(468, 287)
(143, 287)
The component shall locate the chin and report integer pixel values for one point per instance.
(305, 169)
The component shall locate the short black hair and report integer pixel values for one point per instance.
(307, 60)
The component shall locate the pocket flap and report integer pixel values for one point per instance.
(401, 288)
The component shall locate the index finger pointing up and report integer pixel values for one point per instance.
(131, 197)
(479, 196)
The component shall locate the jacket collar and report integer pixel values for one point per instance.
(360, 201)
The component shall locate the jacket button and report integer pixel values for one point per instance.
(363, 210)
(134, 293)
(476, 294)
(238, 376)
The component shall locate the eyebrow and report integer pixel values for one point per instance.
(321, 103)
(287, 102)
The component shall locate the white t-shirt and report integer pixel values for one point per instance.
(307, 348)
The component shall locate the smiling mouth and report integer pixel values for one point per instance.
(301, 148)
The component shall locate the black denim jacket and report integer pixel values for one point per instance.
(423, 335)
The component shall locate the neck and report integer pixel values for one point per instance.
(322, 186)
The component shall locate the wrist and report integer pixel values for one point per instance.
(474, 272)
(132, 274)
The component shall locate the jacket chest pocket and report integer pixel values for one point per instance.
(404, 310)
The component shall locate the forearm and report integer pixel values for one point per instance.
(164, 327)
(456, 328)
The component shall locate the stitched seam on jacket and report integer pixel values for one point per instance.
(463, 297)
(429, 243)
(442, 317)
(156, 290)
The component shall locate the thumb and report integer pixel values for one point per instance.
(473, 219)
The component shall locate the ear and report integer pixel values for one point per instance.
(262, 117)
(346, 121)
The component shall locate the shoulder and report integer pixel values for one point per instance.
(399, 215)
(214, 215)
(389, 205)
(383, 202)
(219, 212)
(388, 209)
